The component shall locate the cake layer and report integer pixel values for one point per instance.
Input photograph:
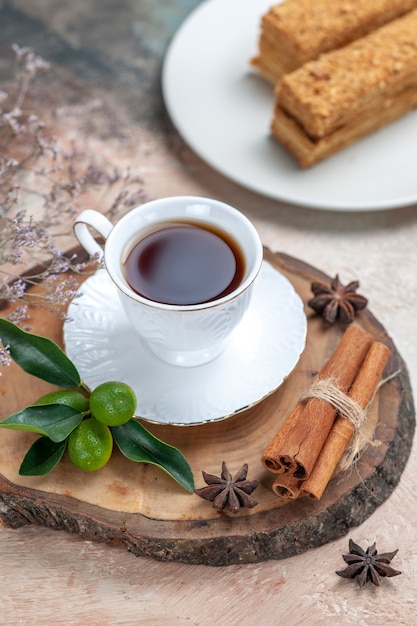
(377, 114)
(333, 90)
(297, 31)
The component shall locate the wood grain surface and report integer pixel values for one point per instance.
(140, 508)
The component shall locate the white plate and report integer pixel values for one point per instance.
(223, 111)
(262, 351)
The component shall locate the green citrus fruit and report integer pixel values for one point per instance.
(69, 397)
(113, 403)
(90, 445)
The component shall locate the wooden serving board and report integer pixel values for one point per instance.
(137, 506)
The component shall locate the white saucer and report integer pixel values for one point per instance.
(262, 351)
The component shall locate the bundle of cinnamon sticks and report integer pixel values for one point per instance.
(312, 441)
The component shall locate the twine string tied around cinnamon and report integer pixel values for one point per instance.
(348, 408)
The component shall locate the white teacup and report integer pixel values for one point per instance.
(190, 334)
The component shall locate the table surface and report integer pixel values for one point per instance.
(108, 55)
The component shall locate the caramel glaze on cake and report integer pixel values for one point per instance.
(298, 31)
(347, 93)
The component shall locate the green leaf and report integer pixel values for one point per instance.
(137, 444)
(42, 457)
(39, 356)
(55, 421)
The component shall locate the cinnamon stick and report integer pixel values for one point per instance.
(287, 486)
(270, 458)
(299, 448)
(362, 391)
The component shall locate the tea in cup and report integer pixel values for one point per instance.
(184, 268)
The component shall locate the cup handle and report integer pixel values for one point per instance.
(99, 222)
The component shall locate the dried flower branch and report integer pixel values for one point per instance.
(43, 185)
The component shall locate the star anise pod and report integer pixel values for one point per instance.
(337, 302)
(367, 565)
(227, 490)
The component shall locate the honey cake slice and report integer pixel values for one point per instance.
(308, 151)
(343, 88)
(297, 31)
